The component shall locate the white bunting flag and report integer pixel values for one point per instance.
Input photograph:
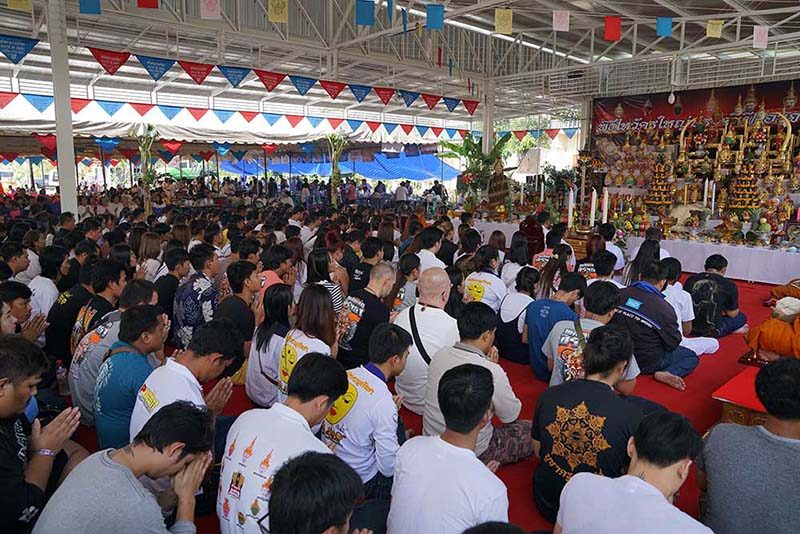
(760, 36)
(210, 10)
(561, 21)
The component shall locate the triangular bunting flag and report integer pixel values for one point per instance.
(535, 133)
(501, 134)
(570, 132)
(16, 48)
(302, 84)
(294, 120)
(234, 75)
(389, 127)
(197, 113)
(384, 93)
(196, 71)
(315, 121)
(166, 155)
(40, 102)
(373, 125)
(128, 152)
(169, 111)
(271, 118)
(248, 115)
(437, 131)
(470, 106)
(108, 144)
(332, 88)
(198, 158)
(520, 134)
(113, 162)
(451, 132)
(451, 103)
(78, 104)
(35, 159)
(156, 67)
(269, 79)
(269, 148)
(463, 133)
(354, 124)
(142, 109)
(409, 97)
(552, 132)
(222, 148)
(360, 91)
(110, 60)
(52, 155)
(171, 144)
(422, 130)
(431, 100)
(206, 155)
(9, 156)
(6, 98)
(335, 123)
(407, 128)
(238, 154)
(46, 140)
(223, 115)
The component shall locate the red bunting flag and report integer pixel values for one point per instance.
(335, 123)
(113, 162)
(294, 120)
(269, 148)
(470, 106)
(147, 4)
(197, 113)
(463, 133)
(431, 100)
(196, 71)
(332, 88)
(613, 29)
(6, 98)
(373, 125)
(207, 155)
(384, 93)
(552, 132)
(437, 131)
(249, 115)
(520, 134)
(128, 152)
(171, 145)
(9, 156)
(78, 104)
(407, 128)
(269, 79)
(46, 140)
(50, 153)
(111, 61)
(142, 109)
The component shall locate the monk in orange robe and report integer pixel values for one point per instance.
(780, 334)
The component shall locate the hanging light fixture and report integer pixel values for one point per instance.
(671, 97)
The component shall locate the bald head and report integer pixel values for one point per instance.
(434, 287)
(381, 279)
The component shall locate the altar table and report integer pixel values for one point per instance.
(739, 402)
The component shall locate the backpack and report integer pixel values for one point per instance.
(707, 313)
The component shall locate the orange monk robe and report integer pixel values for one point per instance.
(775, 335)
(792, 289)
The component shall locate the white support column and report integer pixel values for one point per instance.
(488, 117)
(586, 122)
(59, 58)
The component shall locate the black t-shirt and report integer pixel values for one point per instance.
(71, 279)
(360, 277)
(712, 296)
(365, 311)
(583, 426)
(89, 317)
(166, 286)
(237, 310)
(447, 252)
(62, 319)
(349, 260)
(20, 501)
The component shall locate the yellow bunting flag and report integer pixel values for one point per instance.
(279, 11)
(20, 5)
(503, 21)
(714, 28)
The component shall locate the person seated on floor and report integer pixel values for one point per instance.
(142, 330)
(653, 326)
(566, 343)
(740, 465)
(95, 346)
(661, 452)
(512, 331)
(431, 328)
(604, 262)
(261, 441)
(363, 427)
(484, 285)
(716, 301)
(495, 527)
(778, 335)
(36, 458)
(314, 493)
(507, 443)
(108, 281)
(681, 302)
(542, 315)
(104, 493)
(371, 255)
(791, 289)
(553, 238)
(582, 425)
(439, 484)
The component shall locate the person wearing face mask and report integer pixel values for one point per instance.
(661, 452)
(484, 285)
(653, 325)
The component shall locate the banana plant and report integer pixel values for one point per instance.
(145, 135)
(337, 142)
(479, 165)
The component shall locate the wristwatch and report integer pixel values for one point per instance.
(46, 452)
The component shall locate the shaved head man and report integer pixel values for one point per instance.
(431, 329)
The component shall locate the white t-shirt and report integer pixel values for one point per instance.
(515, 304)
(662, 253)
(45, 294)
(193, 243)
(258, 444)
(443, 489)
(593, 280)
(616, 251)
(260, 388)
(428, 259)
(436, 330)
(487, 288)
(295, 345)
(151, 268)
(594, 504)
(361, 427)
(171, 382)
(509, 274)
(401, 194)
(681, 301)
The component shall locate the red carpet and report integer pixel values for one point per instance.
(695, 403)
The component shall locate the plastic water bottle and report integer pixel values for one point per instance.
(61, 377)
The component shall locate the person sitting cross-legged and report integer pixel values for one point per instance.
(104, 494)
(681, 301)
(661, 452)
(716, 301)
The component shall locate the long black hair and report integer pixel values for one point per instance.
(277, 300)
(518, 252)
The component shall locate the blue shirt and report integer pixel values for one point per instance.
(541, 316)
(195, 304)
(118, 383)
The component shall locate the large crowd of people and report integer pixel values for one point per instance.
(334, 321)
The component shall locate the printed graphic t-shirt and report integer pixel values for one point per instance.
(296, 344)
